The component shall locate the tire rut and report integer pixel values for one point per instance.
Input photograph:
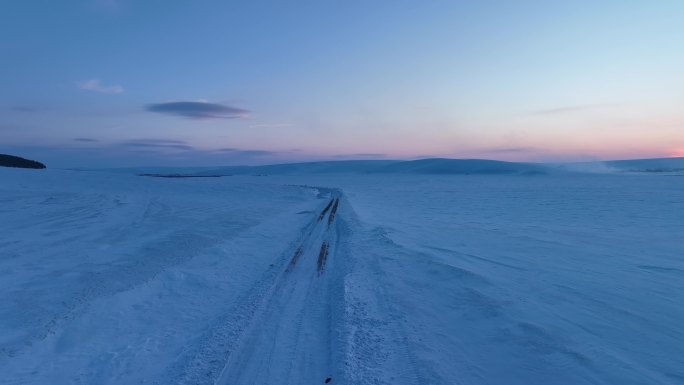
(288, 297)
(289, 338)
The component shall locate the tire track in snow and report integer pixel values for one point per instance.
(287, 285)
(322, 256)
(325, 210)
(302, 324)
(331, 218)
(288, 340)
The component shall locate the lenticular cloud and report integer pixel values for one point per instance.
(198, 110)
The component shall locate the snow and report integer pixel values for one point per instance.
(523, 280)
(655, 165)
(555, 278)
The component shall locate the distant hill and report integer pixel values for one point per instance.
(461, 166)
(434, 166)
(423, 166)
(15, 161)
(326, 167)
(430, 166)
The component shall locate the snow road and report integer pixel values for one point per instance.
(289, 340)
(556, 279)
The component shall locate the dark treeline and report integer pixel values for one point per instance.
(15, 161)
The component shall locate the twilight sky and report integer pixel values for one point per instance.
(104, 83)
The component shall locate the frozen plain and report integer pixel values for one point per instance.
(565, 278)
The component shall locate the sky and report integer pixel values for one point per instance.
(118, 83)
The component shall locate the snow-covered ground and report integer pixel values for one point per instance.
(112, 278)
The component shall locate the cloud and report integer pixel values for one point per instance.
(95, 85)
(157, 144)
(504, 150)
(182, 147)
(198, 110)
(235, 151)
(141, 152)
(271, 125)
(89, 140)
(568, 109)
(366, 155)
(361, 155)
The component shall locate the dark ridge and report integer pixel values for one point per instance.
(331, 218)
(322, 256)
(295, 258)
(15, 161)
(325, 210)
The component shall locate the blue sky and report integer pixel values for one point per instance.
(124, 82)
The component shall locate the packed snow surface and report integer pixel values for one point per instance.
(399, 277)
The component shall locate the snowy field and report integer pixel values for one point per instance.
(562, 278)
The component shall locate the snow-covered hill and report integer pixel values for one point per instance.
(462, 167)
(433, 166)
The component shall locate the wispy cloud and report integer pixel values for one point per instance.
(371, 155)
(568, 109)
(96, 86)
(270, 125)
(505, 150)
(198, 110)
(145, 152)
(87, 140)
(360, 155)
(158, 144)
(236, 151)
